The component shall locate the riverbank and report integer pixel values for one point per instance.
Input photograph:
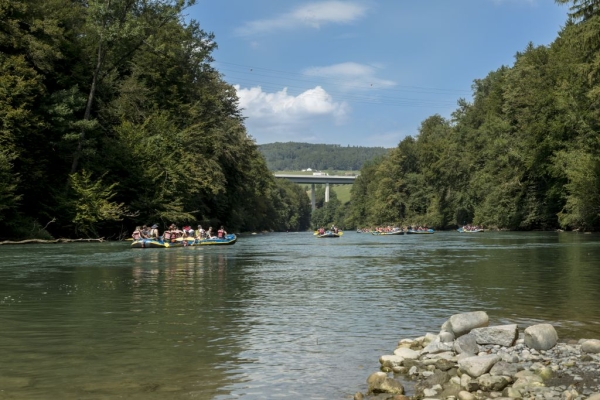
(44, 241)
(470, 360)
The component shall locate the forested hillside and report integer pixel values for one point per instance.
(298, 156)
(524, 154)
(111, 115)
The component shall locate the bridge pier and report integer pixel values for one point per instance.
(320, 179)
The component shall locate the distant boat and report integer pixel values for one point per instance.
(387, 233)
(420, 232)
(472, 230)
(330, 234)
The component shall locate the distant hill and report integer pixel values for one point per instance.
(298, 156)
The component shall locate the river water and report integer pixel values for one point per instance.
(275, 316)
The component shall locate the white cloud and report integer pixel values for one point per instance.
(351, 76)
(312, 15)
(280, 116)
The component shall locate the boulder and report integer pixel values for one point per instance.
(491, 383)
(436, 347)
(461, 324)
(379, 382)
(504, 368)
(478, 365)
(406, 353)
(466, 344)
(591, 346)
(391, 361)
(540, 337)
(446, 337)
(503, 335)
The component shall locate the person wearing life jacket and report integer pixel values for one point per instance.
(137, 234)
(200, 233)
(221, 233)
(154, 234)
(176, 233)
(167, 235)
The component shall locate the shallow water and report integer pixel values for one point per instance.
(274, 316)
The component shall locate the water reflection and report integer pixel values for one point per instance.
(282, 315)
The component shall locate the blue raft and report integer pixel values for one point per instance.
(180, 242)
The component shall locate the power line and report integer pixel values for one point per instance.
(274, 81)
(400, 88)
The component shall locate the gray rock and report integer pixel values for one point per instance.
(466, 344)
(437, 377)
(503, 335)
(444, 365)
(446, 337)
(406, 353)
(528, 382)
(391, 361)
(491, 383)
(504, 368)
(541, 336)
(436, 347)
(461, 324)
(478, 365)
(511, 392)
(591, 346)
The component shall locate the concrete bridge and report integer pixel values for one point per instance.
(314, 179)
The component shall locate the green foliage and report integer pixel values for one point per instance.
(582, 208)
(299, 156)
(8, 186)
(90, 203)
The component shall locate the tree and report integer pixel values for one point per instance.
(90, 203)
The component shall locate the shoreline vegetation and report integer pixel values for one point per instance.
(45, 241)
(471, 360)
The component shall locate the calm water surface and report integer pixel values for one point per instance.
(279, 316)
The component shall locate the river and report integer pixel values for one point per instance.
(275, 316)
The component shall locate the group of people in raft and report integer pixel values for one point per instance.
(391, 229)
(173, 233)
(333, 229)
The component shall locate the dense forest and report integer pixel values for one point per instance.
(298, 156)
(524, 154)
(111, 116)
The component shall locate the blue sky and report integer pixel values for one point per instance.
(364, 72)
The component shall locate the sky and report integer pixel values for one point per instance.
(364, 72)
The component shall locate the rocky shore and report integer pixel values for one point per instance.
(471, 360)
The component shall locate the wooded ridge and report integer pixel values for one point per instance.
(296, 156)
